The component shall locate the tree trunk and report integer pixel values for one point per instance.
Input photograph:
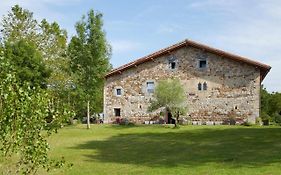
(88, 115)
(177, 119)
(166, 116)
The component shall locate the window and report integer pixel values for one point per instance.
(117, 112)
(172, 62)
(150, 87)
(202, 64)
(202, 60)
(204, 86)
(173, 65)
(199, 86)
(118, 91)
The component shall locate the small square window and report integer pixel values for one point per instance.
(202, 63)
(118, 91)
(150, 87)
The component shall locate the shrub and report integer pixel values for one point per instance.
(265, 118)
(124, 121)
(258, 121)
(246, 123)
(277, 118)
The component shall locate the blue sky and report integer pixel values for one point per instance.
(135, 28)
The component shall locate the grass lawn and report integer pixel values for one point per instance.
(203, 150)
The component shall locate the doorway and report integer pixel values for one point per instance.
(170, 118)
(117, 112)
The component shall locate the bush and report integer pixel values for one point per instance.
(265, 118)
(246, 123)
(277, 118)
(258, 121)
(124, 121)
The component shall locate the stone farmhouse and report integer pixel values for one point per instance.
(218, 85)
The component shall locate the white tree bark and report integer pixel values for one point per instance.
(88, 115)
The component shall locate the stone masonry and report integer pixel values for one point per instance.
(229, 88)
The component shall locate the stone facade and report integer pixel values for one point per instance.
(229, 88)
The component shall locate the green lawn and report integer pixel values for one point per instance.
(204, 150)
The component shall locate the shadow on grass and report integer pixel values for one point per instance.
(121, 127)
(234, 147)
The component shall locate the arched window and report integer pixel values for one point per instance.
(199, 87)
(204, 86)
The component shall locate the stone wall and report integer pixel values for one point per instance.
(232, 87)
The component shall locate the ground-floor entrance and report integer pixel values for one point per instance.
(170, 119)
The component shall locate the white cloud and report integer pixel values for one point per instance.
(217, 5)
(169, 28)
(122, 46)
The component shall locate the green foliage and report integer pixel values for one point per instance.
(53, 48)
(89, 54)
(271, 106)
(19, 24)
(27, 62)
(23, 126)
(170, 95)
(47, 38)
(29, 112)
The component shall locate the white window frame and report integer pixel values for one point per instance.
(115, 91)
(146, 87)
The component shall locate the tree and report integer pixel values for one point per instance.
(23, 126)
(27, 62)
(53, 47)
(19, 24)
(47, 38)
(270, 106)
(50, 43)
(28, 113)
(89, 53)
(170, 95)
(265, 104)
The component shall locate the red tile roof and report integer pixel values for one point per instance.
(264, 69)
